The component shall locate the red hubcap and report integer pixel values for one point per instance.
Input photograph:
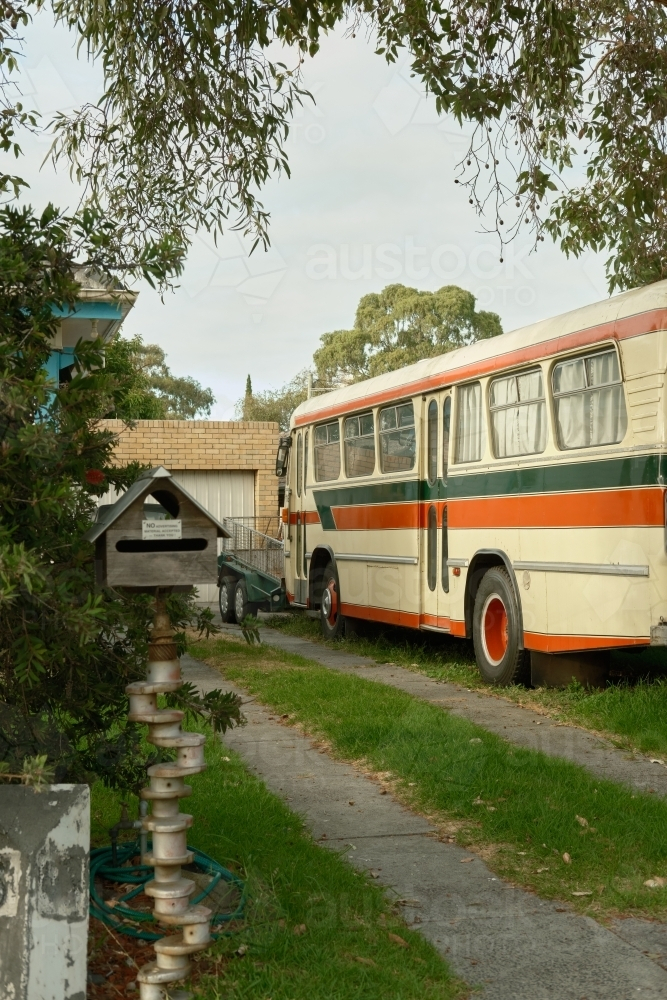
(494, 629)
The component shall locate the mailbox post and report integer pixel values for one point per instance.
(158, 538)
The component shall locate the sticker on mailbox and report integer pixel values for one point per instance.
(159, 529)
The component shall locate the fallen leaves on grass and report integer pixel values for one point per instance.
(656, 883)
(397, 939)
(567, 859)
(299, 929)
(585, 892)
(581, 820)
(365, 961)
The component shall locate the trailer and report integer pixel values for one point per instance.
(251, 570)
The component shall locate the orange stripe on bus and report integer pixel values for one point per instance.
(623, 329)
(365, 517)
(545, 643)
(385, 615)
(458, 628)
(590, 509)
(435, 621)
(305, 517)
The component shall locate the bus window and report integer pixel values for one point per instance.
(299, 463)
(305, 461)
(359, 445)
(470, 436)
(588, 396)
(326, 451)
(432, 442)
(518, 414)
(445, 552)
(432, 548)
(446, 422)
(397, 438)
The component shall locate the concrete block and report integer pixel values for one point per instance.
(44, 845)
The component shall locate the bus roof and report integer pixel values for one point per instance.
(630, 314)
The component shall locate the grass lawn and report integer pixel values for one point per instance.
(521, 809)
(315, 929)
(633, 712)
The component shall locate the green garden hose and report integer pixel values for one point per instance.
(128, 921)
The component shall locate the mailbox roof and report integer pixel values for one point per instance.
(148, 481)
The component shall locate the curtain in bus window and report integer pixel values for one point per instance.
(590, 406)
(305, 461)
(518, 415)
(326, 451)
(432, 470)
(359, 445)
(299, 463)
(470, 424)
(397, 438)
(432, 548)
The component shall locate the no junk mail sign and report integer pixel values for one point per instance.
(155, 535)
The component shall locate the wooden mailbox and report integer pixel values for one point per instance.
(155, 535)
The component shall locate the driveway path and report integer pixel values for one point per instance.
(522, 726)
(509, 943)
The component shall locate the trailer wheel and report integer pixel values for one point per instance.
(495, 630)
(242, 606)
(331, 619)
(226, 599)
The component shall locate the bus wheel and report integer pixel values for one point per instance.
(226, 599)
(331, 620)
(495, 630)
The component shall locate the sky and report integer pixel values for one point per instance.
(371, 201)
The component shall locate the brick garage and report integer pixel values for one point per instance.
(228, 465)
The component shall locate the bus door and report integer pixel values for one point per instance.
(429, 510)
(443, 570)
(298, 524)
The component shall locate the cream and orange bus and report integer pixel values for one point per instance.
(511, 491)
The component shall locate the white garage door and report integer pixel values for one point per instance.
(223, 494)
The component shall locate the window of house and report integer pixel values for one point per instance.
(589, 401)
(326, 451)
(470, 433)
(397, 438)
(299, 462)
(446, 424)
(518, 414)
(432, 446)
(359, 444)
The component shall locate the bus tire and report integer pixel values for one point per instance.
(496, 630)
(226, 599)
(332, 622)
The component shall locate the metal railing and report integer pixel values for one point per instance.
(254, 547)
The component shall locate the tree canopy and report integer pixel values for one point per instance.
(567, 102)
(399, 326)
(147, 388)
(67, 650)
(392, 328)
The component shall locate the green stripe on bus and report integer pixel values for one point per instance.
(614, 473)
(352, 496)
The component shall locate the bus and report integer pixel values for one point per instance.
(511, 491)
